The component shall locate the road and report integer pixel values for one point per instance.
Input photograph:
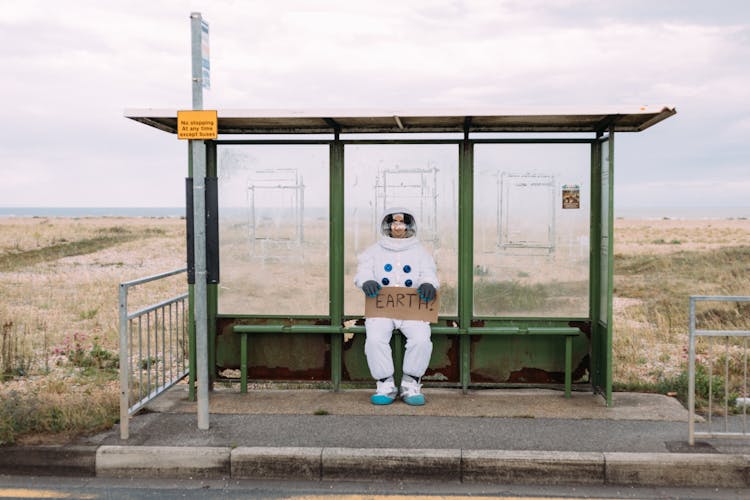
(103, 488)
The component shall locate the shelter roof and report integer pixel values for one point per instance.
(364, 121)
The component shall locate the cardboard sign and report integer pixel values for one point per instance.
(401, 303)
(197, 125)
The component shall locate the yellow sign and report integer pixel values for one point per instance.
(197, 125)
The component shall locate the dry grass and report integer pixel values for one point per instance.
(58, 283)
(658, 265)
(59, 277)
(57, 407)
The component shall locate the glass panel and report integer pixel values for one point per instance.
(531, 230)
(273, 229)
(423, 178)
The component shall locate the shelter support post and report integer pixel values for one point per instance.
(610, 208)
(595, 256)
(465, 254)
(601, 264)
(336, 256)
(212, 255)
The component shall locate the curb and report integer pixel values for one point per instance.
(675, 469)
(276, 463)
(365, 464)
(537, 467)
(186, 462)
(49, 460)
(356, 464)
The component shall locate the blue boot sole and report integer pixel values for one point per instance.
(381, 399)
(415, 400)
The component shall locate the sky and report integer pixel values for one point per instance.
(72, 68)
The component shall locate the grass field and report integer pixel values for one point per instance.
(59, 316)
(58, 307)
(658, 265)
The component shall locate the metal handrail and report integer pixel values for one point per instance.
(173, 314)
(694, 334)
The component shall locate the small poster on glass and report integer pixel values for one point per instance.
(571, 196)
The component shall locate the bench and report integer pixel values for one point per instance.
(568, 332)
(245, 330)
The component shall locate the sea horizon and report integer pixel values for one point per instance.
(92, 211)
(665, 212)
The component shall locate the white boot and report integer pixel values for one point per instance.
(386, 392)
(411, 391)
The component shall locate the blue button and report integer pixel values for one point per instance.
(407, 268)
(385, 281)
(407, 282)
(388, 268)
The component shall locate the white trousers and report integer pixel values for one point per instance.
(378, 347)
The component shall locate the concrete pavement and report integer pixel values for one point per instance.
(498, 436)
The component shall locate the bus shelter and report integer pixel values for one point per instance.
(516, 207)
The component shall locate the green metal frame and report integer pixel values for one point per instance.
(602, 244)
(336, 256)
(465, 254)
(605, 352)
(595, 262)
(498, 327)
(212, 289)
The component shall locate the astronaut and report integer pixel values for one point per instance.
(397, 259)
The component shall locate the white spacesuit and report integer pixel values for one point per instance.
(397, 259)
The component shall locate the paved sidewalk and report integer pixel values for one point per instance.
(499, 436)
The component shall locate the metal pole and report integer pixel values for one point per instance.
(199, 221)
(196, 59)
(124, 363)
(691, 375)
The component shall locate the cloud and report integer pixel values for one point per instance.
(82, 62)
